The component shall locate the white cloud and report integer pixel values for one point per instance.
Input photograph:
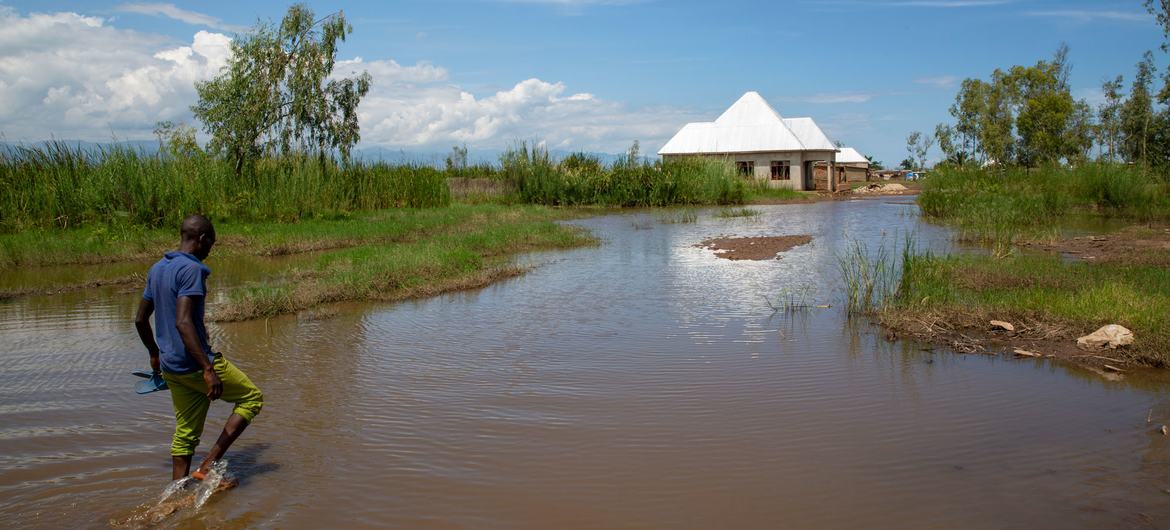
(73, 76)
(1092, 16)
(70, 76)
(177, 13)
(942, 81)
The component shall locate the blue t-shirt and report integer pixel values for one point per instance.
(177, 274)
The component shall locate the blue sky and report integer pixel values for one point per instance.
(592, 75)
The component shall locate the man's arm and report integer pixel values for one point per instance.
(142, 323)
(186, 327)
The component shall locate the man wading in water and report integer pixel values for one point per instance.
(175, 293)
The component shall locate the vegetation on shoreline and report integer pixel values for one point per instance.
(952, 298)
(1001, 206)
(451, 261)
(581, 179)
(59, 186)
(1076, 296)
(105, 244)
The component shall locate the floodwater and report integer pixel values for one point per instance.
(641, 384)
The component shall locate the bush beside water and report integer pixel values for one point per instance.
(56, 185)
(59, 186)
(996, 205)
(581, 179)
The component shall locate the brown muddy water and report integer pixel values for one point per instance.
(642, 384)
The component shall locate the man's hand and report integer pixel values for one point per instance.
(214, 387)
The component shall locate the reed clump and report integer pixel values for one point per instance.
(1001, 205)
(57, 185)
(582, 179)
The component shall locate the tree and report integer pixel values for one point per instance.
(907, 164)
(946, 136)
(969, 107)
(177, 139)
(1161, 11)
(457, 158)
(1044, 110)
(874, 164)
(1109, 118)
(918, 145)
(275, 95)
(1137, 113)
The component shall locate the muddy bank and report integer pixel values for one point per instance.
(1133, 245)
(968, 332)
(753, 248)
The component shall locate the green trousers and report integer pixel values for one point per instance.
(189, 396)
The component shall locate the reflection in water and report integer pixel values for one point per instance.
(644, 383)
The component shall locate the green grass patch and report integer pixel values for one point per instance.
(1001, 206)
(759, 191)
(470, 258)
(729, 213)
(1045, 288)
(56, 186)
(582, 179)
(112, 243)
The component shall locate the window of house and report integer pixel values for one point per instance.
(781, 170)
(746, 169)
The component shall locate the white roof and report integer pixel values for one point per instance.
(749, 125)
(849, 155)
(810, 135)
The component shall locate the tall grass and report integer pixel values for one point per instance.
(581, 179)
(60, 186)
(999, 205)
(872, 278)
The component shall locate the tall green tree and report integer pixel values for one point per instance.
(1109, 118)
(969, 107)
(276, 94)
(1137, 114)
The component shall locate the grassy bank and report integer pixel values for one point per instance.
(1069, 298)
(582, 179)
(1123, 278)
(1003, 206)
(386, 255)
(113, 243)
(443, 262)
(58, 186)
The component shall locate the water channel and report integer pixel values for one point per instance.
(644, 383)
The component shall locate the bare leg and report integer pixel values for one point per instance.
(180, 466)
(232, 430)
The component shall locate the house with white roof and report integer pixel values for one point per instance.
(762, 144)
(851, 166)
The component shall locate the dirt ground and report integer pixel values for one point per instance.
(753, 248)
(1133, 245)
(965, 331)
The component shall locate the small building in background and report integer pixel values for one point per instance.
(852, 166)
(762, 144)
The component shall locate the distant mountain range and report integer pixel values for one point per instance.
(393, 156)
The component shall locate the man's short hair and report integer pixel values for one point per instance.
(195, 226)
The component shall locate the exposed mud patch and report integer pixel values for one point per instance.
(971, 332)
(1133, 245)
(753, 248)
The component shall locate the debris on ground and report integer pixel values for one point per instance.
(892, 188)
(1026, 353)
(753, 248)
(999, 324)
(1111, 336)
